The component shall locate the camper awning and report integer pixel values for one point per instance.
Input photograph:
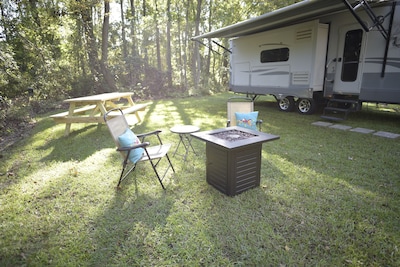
(300, 12)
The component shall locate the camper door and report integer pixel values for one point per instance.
(349, 60)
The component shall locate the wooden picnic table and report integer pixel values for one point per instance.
(91, 109)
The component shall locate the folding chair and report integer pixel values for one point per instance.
(240, 111)
(133, 147)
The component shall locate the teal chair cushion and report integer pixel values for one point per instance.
(128, 139)
(247, 120)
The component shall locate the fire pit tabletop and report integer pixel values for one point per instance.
(234, 137)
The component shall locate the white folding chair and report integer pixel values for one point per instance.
(118, 127)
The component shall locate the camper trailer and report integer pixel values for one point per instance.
(338, 52)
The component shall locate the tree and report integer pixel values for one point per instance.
(196, 57)
(169, 52)
(84, 10)
(109, 80)
(73, 47)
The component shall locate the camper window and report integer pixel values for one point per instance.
(275, 55)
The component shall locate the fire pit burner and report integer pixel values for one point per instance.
(233, 135)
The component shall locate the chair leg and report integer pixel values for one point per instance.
(153, 165)
(170, 163)
(160, 179)
(123, 173)
(158, 176)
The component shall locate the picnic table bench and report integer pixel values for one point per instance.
(91, 109)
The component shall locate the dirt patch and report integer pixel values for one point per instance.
(17, 120)
(13, 131)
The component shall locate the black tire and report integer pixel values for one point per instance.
(286, 104)
(306, 106)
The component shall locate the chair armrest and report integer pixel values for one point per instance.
(148, 134)
(133, 147)
(156, 133)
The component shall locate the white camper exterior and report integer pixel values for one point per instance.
(283, 62)
(321, 49)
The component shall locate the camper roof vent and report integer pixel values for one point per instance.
(304, 34)
(300, 78)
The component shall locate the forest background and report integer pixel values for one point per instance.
(53, 50)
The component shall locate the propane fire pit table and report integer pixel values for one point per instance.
(233, 155)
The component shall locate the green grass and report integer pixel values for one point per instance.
(327, 197)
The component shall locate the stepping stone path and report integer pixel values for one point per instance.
(357, 129)
(387, 134)
(340, 127)
(362, 130)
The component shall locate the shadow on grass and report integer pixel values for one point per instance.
(123, 230)
(79, 144)
(42, 138)
(184, 111)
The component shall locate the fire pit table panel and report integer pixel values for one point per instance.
(233, 171)
(233, 166)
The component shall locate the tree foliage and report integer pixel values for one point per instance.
(77, 47)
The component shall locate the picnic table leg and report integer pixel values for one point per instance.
(70, 113)
(131, 104)
(102, 107)
(67, 129)
(94, 111)
(130, 101)
(138, 117)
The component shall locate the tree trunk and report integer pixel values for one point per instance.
(158, 48)
(4, 24)
(109, 80)
(123, 32)
(196, 66)
(169, 53)
(185, 46)
(94, 63)
(208, 62)
(134, 63)
(179, 59)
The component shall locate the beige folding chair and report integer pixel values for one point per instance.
(118, 127)
(241, 105)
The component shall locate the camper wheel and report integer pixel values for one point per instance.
(286, 104)
(305, 106)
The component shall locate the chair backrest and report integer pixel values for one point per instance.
(117, 125)
(238, 104)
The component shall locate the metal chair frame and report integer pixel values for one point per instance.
(239, 104)
(117, 125)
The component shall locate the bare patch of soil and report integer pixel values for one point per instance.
(13, 131)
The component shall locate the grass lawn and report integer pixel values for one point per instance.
(327, 197)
